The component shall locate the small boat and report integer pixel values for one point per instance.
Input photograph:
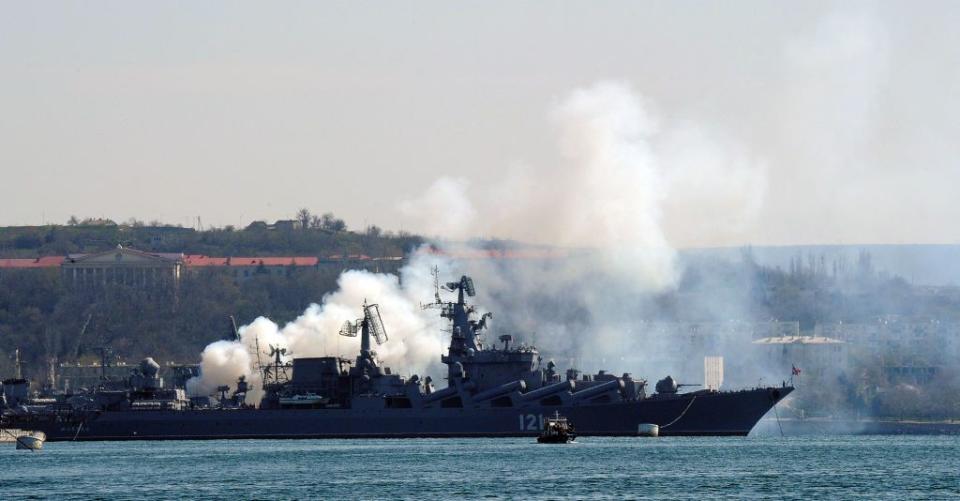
(557, 430)
(306, 400)
(33, 441)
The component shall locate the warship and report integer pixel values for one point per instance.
(496, 390)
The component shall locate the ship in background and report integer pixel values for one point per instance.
(492, 390)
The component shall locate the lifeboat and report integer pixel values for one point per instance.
(303, 400)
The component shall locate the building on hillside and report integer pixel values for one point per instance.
(821, 358)
(125, 265)
(8, 264)
(287, 225)
(390, 264)
(244, 268)
(775, 328)
(166, 236)
(279, 225)
(908, 350)
(122, 266)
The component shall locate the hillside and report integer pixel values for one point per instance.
(258, 239)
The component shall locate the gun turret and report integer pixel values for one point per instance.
(669, 385)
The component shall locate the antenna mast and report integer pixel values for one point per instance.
(105, 354)
(256, 342)
(436, 284)
(278, 368)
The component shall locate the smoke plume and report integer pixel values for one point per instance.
(623, 172)
(619, 167)
(415, 338)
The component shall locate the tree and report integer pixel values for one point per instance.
(97, 221)
(332, 223)
(373, 231)
(27, 241)
(304, 216)
(326, 220)
(73, 221)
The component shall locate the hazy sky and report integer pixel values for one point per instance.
(834, 122)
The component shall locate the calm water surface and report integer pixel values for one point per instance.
(622, 468)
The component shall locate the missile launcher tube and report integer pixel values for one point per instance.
(600, 389)
(440, 394)
(546, 391)
(503, 389)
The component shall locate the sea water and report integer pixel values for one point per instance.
(825, 467)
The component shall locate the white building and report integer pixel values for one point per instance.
(816, 356)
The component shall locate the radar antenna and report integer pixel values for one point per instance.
(349, 329)
(277, 352)
(465, 285)
(370, 324)
(373, 322)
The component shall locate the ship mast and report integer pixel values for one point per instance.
(275, 374)
(465, 332)
(371, 325)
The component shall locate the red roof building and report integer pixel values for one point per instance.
(40, 262)
(201, 261)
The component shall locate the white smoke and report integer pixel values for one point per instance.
(445, 210)
(624, 175)
(620, 169)
(415, 336)
(839, 137)
(222, 362)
